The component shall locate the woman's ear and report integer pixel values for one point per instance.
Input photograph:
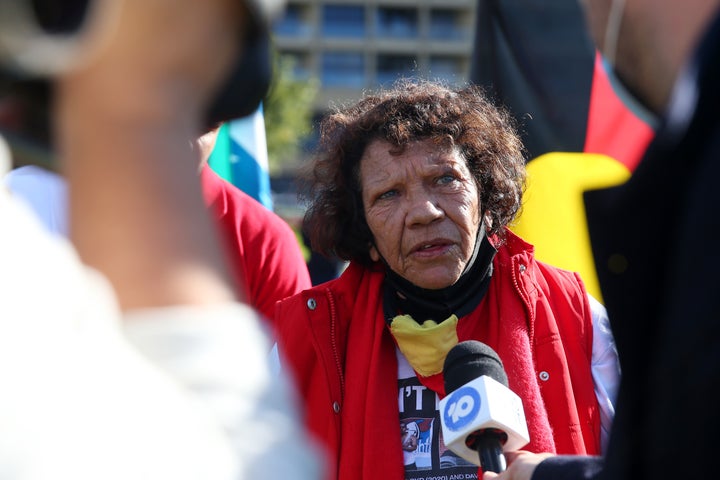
(487, 218)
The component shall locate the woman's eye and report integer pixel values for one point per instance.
(445, 179)
(388, 194)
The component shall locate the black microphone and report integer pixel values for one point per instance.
(480, 416)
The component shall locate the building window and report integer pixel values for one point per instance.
(446, 25)
(293, 22)
(343, 21)
(343, 69)
(397, 22)
(391, 67)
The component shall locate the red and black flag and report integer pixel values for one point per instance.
(536, 58)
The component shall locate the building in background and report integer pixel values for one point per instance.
(358, 45)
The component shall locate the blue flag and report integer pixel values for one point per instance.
(240, 156)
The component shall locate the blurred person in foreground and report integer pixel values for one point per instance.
(129, 353)
(416, 186)
(263, 251)
(654, 242)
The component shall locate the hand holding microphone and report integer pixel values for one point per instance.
(480, 416)
(521, 466)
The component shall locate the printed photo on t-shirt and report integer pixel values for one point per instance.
(425, 454)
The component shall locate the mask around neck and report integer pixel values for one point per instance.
(403, 297)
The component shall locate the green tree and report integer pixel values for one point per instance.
(288, 111)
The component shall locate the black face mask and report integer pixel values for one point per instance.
(240, 94)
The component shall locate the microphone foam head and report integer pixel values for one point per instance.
(469, 360)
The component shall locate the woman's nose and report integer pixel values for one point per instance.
(423, 209)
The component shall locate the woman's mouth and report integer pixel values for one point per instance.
(431, 249)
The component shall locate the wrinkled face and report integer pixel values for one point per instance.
(423, 209)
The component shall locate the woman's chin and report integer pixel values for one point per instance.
(433, 279)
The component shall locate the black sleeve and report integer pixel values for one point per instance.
(569, 467)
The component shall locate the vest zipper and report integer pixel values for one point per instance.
(333, 342)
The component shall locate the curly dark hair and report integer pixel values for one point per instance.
(409, 111)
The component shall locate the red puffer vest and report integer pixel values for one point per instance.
(346, 371)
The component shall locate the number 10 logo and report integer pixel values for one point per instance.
(462, 408)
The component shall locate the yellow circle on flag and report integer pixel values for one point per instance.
(553, 215)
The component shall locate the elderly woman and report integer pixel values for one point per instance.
(416, 186)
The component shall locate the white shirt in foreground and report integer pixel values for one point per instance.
(173, 393)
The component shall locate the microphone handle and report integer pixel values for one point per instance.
(488, 444)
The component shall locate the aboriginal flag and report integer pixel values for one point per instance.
(580, 129)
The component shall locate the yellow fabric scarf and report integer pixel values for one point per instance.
(425, 346)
